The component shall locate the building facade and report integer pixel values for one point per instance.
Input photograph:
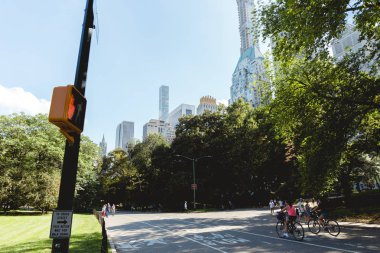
(207, 103)
(249, 71)
(103, 147)
(163, 103)
(124, 135)
(349, 40)
(160, 127)
(180, 111)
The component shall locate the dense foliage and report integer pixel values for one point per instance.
(31, 154)
(247, 166)
(328, 109)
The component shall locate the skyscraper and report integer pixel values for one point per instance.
(181, 110)
(160, 127)
(207, 103)
(163, 103)
(103, 146)
(124, 135)
(349, 40)
(249, 71)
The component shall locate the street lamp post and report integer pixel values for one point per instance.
(194, 160)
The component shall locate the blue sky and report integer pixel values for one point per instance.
(190, 45)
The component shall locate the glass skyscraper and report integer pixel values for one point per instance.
(124, 135)
(249, 71)
(163, 103)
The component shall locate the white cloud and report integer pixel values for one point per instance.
(16, 100)
(222, 101)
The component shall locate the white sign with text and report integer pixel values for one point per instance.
(61, 224)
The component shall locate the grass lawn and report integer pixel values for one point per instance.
(31, 234)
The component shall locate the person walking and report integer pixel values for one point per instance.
(185, 206)
(108, 209)
(281, 204)
(103, 211)
(271, 206)
(113, 209)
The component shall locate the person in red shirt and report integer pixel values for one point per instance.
(290, 217)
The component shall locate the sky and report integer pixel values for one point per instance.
(190, 45)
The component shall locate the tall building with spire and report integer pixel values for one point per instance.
(249, 71)
(163, 103)
(103, 146)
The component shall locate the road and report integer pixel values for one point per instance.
(231, 231)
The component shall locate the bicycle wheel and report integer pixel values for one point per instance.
(280, 228)
(333, 227)
(314, 226)
(298, 231)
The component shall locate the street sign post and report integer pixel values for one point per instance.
(61, 224)
(70, 159)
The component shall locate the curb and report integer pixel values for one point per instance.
(112, 245)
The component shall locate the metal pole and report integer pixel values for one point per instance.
(194, 181)
(70, 160)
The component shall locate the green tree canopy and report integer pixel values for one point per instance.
(31, 155)
(309, 26)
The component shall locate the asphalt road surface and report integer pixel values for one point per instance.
(230, 231)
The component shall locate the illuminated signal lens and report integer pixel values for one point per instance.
(67, 110)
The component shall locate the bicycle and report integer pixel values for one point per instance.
(294, 228)
(331, 226)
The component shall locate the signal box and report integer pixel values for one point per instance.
(67, 110)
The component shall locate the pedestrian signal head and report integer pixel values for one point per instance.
(67, 109)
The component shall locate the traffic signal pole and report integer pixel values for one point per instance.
(70, 160)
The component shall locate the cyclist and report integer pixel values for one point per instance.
(290, 217)
(322, 209)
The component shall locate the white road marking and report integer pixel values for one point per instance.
(181, 236)
(277, 238)
(155, 241)
(124, 246)
(266, 242)
(305, 243)
(369, 236)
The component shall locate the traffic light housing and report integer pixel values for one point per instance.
(67, 110)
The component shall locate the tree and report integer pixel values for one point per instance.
(87, 185)
(307, 27)
(321, 105)
(248, 160)
(31, 154)
(29, 162)
(141, 158)
(119, 179)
